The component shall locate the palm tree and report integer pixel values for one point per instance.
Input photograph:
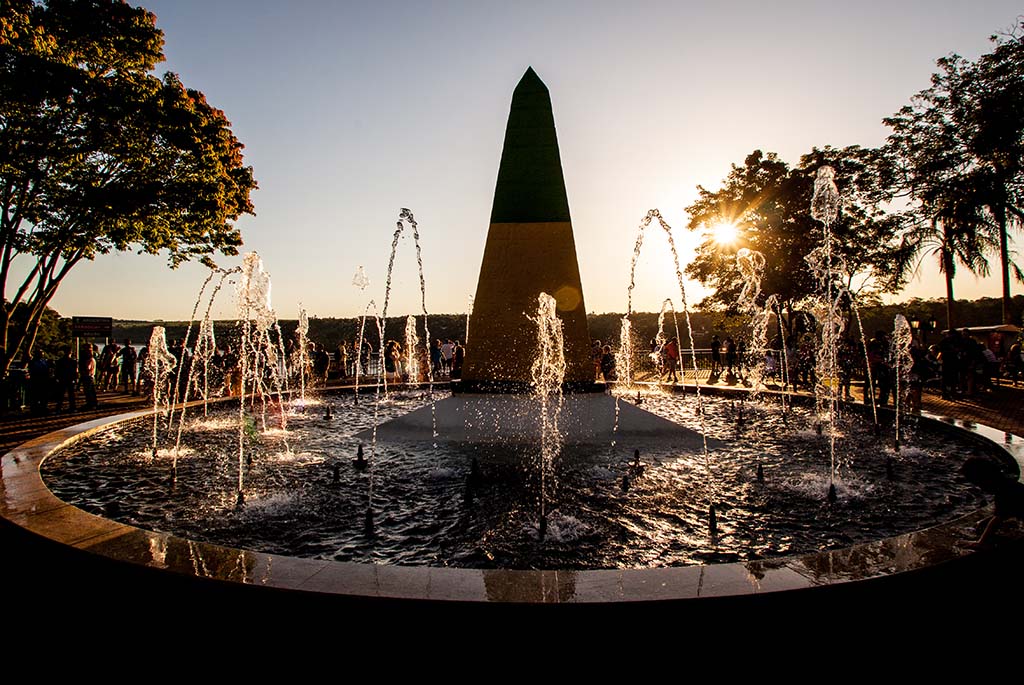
(928, 158)
(994, 122)
(958, 232)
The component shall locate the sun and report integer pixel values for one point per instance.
(725, 233)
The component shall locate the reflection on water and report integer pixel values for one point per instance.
(428, 511)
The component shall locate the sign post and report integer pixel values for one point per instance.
(91, 327)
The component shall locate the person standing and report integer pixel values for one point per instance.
(321, 365)
(458, 357)
(129, 359)
(716, 355)
(107, 365)
(447, 351)
(435, 359)
(671, 351)
(730, 354)
(39, 382)
(87, 375)
(341, 358)
(66, 373)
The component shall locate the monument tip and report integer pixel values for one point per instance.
(530, 81)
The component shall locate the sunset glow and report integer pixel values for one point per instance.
(725, 233)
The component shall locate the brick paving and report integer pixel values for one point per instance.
(18, 427)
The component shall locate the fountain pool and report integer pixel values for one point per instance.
(432, 509)
(26, 501)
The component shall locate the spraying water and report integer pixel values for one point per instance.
(412, 343)
(405, 216)
(870, 389)
(825, 208)
(257, 316)
(188, 333)
(205, 349)
(751, 265)
(651, 216)
(360, 279)
(160, 364)
(660, 339)
(624, 357)
(548, 374)
(902, 338)
(302, 351)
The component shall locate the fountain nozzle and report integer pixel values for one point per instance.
(360, 461)
(712, 520)
(760, 473)
(336, 477)
(542, 530)
(240, 500)
(329, 414)
(832, 496)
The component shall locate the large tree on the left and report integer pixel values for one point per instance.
(98, 154)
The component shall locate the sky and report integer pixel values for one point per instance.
(351, 111)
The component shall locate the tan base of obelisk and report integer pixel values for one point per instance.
(522, 260)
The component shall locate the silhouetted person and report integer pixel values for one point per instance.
(716, 355)
(458, 358)
(608, 364)
(129, 359)
(671, 351)
(87, 375)
(66, 374)
(39, 382)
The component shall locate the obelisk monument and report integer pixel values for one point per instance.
(529, 250)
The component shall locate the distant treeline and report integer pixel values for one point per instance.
(604, 327)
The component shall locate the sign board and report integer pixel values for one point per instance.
(92, 326)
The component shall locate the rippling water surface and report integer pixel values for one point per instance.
(425, 513)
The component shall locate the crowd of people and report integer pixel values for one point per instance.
(72, 381)
(959, 365)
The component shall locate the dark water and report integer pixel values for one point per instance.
(426, 514)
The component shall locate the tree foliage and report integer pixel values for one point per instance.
(769, 203)
(957, 151)
(97, 154)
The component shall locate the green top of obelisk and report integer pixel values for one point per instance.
(530, 184)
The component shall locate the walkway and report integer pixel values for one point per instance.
(1002, 407)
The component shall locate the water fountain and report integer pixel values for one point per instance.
(603, 501)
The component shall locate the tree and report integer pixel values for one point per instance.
(997, 142)
(97, 154)
(769, 203)
(933, 167)
(958, 150)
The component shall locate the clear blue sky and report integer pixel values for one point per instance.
(350, 111)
